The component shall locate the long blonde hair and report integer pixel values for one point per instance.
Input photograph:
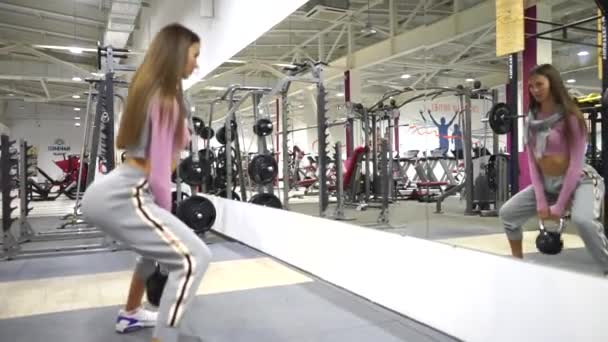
(159, 74)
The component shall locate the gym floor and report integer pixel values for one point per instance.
(246, 296)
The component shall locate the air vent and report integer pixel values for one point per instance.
(324, 13)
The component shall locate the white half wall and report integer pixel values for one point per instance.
(235, 25)
(471, 295)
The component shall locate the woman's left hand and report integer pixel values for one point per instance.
(554, 214)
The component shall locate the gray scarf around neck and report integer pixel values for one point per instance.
(537, 130)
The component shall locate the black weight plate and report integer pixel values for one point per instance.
(207, 133)
(199, 125)
(262, 169)
(224, 194)
(197, 212)
(194, 173)
(263, 127)
(266, 200)
(501, 118)
(202, 154)
(221, 154)
(220, 135)
(174, 200)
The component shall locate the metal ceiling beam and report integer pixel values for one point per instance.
(17, 91)
(455, 59)
(44, 87)
(40, 13)
(327, 29)
(413, 14)
(8, 48)
(81, 71)
(37, 79)
(454, 27)
(46, 32)
(393, 22)
(335, 44)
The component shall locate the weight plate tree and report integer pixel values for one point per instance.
(263, 168)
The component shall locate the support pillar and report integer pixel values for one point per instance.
(352, 93)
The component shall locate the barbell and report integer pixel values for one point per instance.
(501, 118)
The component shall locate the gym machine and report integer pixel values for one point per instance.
(294, 74)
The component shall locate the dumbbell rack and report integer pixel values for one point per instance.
(25, 163)
(8, 163)
(13, 245)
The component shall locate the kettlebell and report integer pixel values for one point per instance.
(550, 242)
(155, 284)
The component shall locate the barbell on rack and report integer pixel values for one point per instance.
(501, 118)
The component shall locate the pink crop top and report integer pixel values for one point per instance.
(558, 144)
(163, 150)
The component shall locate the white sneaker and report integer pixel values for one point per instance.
(139, 319)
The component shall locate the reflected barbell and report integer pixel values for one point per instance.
(501, 118)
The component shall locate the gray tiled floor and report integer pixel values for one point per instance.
(90, 263)
(310, 312)
(314, 311)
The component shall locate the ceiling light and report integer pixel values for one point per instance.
(470, 80)
(77, 118)
(192, 109)
(236, 61)
(368, 30)
(285, 65)
(583, 53)
(301, 106)
(75, 96)
(11, 94)
(572, 80)
(214, 88)
(76, 79)
(77, 109)
(72, 49)
(77, 124)
(97, 74)
(406, 76)
(340, 94)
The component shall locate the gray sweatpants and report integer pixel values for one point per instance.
(585, 213)
(121, 205)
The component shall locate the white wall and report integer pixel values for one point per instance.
(235, 24)
(473, 296)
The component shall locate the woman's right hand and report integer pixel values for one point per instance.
(544, 213)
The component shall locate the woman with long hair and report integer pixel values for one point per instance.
(556, 135)
(133, 203)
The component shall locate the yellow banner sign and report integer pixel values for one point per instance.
(509, 26)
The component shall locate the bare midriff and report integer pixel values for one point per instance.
(553, 165)
(144, 164)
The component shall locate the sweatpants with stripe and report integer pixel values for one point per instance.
(585, 213)
(121, 205)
